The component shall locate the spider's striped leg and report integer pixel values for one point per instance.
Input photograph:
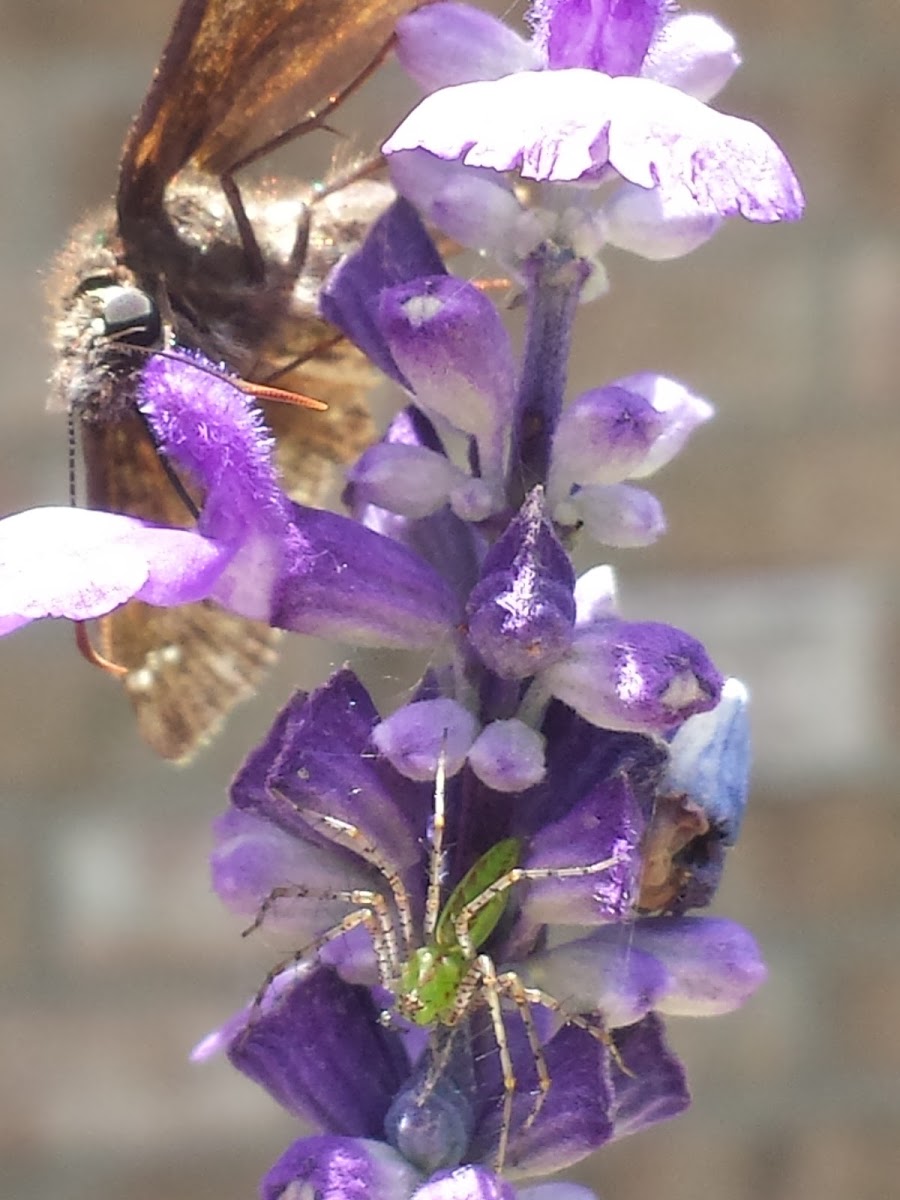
(493, 992)
(470, 911)
(545, 1000)
(344, 832)
(511, 985)
(372, 912)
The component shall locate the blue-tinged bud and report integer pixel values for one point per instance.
(710, 761)
(415, 738)
(508, 756)
(522, 611)
(641, 676)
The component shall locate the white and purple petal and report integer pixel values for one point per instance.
(449, 43)
(508, 756)
(635, 675)
(576, 124)
(418, 737)
(75, 563)
(339, 1168)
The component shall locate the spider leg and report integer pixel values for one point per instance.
(372, 912)
(545, 1000)
(511, 985)
(469, 911)
(493, 991)
(348, 832)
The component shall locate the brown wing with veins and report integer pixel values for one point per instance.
(188, 666)
(237, 76)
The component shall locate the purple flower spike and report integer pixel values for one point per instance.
(339, 1168)
(564, 126)
(635, 675)
(522, 612)
(69, 562)
(710, 761)
(451, 345)
(417, 736)
(442, 45)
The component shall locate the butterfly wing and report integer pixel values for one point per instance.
(237, 76)
(187, 666)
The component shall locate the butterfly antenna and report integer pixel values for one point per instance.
(72, 450)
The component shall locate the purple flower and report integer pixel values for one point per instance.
(253, 550)
(603, 92)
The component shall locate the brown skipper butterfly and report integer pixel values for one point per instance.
(186, 258)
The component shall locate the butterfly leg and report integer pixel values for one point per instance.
(253, 255)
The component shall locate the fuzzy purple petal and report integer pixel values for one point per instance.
(563, 126)
(606, 824)
(211, 429)
(714, 964)
(466, 1183)
(509, 756)
(251, 856)
(341, 580)
(635, 675)
(319, 1049)
(606, 975)
(318, 762)
(576, 1117)
(694, 53)
(450, 343)
(604, 35)
(656, 1089)
(522, 612)
(445, 44)
(70, 562)
(339, 1168)
(477, 208)
(416, 738)
(622, 516)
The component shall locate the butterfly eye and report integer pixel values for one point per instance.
(129, 315)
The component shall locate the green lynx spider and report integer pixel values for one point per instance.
(440, 979)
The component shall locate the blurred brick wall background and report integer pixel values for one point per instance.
(782, 554)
